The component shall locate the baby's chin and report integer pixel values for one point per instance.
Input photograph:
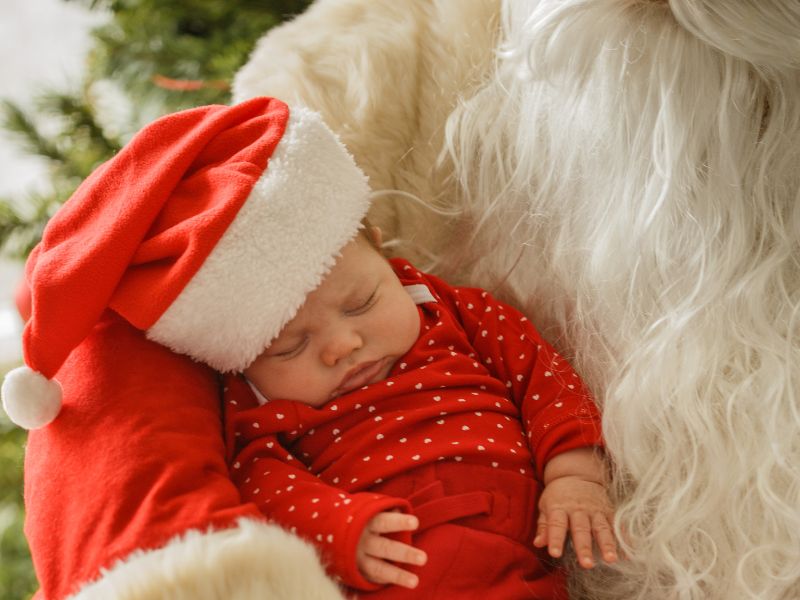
(320, 402)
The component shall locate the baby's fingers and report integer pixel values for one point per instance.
(381, 547)
(580, 527)
(391, 522)
(540, 541)
(380, 571)
(604, 537)
(374, 550)
(552, 531)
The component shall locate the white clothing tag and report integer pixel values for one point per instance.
(262, 400)
(419, 293)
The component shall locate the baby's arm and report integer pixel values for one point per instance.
(560, 419)
(375, 550)
(574, 499)
(329, 517)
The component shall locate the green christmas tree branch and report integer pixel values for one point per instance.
(164, 53)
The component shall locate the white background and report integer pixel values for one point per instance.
(43, 44)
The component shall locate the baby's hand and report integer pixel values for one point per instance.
(375, 550)
(571, 503)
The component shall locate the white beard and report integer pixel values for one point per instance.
(646, 156)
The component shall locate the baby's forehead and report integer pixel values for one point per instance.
(353, 277)
(359, 263)
(334, 292)
(331, 296)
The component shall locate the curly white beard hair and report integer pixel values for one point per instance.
(645, 155)
(630, 176)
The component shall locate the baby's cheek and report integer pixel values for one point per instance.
(274, 379)
(412, 323)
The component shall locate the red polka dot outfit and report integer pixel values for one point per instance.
(458, 434)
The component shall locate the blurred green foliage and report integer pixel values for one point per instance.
(163, 56)
(199, 41)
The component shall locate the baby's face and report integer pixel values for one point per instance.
(349, 333)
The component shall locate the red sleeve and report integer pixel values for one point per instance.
(135, 458)
(557, 410)
(325, 515)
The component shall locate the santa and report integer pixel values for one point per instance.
(626, 171)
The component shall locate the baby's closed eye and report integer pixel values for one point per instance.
(363, 305)
(289, 351)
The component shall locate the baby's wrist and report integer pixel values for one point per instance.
(587, 464)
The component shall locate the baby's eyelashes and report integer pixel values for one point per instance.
(363, 306)
(290, 352)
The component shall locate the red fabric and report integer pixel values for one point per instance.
(476, 525)
(479, 387)
(138, 228)
(135, 458)
(22, 299)
(325, 515)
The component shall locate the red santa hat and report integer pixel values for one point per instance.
(207, 231)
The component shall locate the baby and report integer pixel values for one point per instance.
(394, 403)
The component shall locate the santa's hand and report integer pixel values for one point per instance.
(580, 507)
(375, 550)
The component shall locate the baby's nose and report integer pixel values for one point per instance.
(340, 346)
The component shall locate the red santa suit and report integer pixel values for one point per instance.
(127, 487)
(459, 434)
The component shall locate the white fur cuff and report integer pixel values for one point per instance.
(253, 560)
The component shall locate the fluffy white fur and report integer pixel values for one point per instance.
(627, 174)
(645, 155)
(384, 75)
(253, 560)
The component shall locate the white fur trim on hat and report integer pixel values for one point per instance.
(30, 399)
(286, 237)
(252, 560)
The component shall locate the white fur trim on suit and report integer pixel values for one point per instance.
(308, 204)
(253, 560)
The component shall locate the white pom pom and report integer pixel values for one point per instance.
(30, 399)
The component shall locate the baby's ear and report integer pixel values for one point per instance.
(375, 234)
